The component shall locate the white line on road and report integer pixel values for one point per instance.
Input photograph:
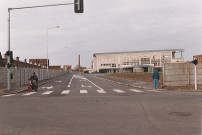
(136, 90)
(101, 91)
(94, 84)
(154, 90)
(119, 91)
(83, 91)
(58, 81)
(47, 92)
(9, 95)
(65, 92)
(86, 86)
(30, 93)
(68, 86)
(47, 87)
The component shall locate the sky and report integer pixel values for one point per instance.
(105, 26)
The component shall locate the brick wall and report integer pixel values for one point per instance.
(181, 74)
(21, 75)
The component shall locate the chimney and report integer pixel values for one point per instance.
(17, 58)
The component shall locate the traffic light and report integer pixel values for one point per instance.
(195, 62)
(10, 53)
(9, 65)
(78, 6)
(11, 76)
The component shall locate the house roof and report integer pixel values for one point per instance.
(164, 50)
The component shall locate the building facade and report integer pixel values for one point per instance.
(42, 62)
(198, 57)
(118, 61)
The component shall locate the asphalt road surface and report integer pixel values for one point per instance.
(78, 104)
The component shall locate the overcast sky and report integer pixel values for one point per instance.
(105, 26)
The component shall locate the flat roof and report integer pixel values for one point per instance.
(164, 50)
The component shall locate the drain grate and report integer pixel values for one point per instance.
(180, 114)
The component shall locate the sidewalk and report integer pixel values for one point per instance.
(130, 83)
(140, 84)
(20, 89)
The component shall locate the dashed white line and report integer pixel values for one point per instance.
(83, 91)
(101, 91)
(47, 93)
(65, 92)
(68, 86)
(154, 90)
(119, 91)
(9, 95)
(86, 86)
(30, 93)
(136, 90)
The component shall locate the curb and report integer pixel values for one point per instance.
(124, 84)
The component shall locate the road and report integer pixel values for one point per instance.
(78, 104)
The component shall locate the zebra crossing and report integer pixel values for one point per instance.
(66, 92)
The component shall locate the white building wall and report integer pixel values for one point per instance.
(122, 60)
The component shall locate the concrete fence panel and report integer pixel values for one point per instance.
(21, 75)
(181, 74)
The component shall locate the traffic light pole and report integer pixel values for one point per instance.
(9, 56)
(195, 77)
(77, 4)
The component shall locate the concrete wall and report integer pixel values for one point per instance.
(181, 74)
(21, 75)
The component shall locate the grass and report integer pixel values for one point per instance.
(144, 76)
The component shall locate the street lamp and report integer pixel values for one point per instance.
(48, 43)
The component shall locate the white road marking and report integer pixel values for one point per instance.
(47, 87)
(154, 90)
(136, 90)
(119, 91)
(65, 92)
(50, 87)
(58, 81)
(86, 86)
(83, 91)
(94, 84)
(30, 93)
(68, 86)
(101, 91)
(9, 95)
(47, 92)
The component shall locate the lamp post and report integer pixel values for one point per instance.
(48, 43)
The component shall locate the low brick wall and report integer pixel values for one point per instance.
(181, 74)
(21, 75)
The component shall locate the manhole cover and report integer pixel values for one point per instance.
(180, 114)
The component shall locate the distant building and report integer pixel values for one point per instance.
(41, 62)
(198, 57)
(67, 67)
(17, 63)
(135, 60)
(54, 68)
